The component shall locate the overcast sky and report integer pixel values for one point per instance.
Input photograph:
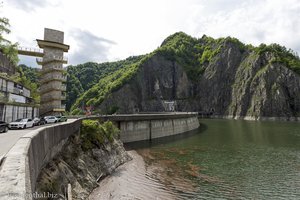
(109, 30)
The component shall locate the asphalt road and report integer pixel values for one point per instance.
(8, 139)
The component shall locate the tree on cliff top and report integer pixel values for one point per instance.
(7, 47)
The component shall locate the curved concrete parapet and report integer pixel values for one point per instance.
(22, 164)
(158, 126)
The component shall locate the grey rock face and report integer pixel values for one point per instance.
(157, 81)
(235, 83)
(80, 169)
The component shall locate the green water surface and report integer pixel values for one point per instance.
(238, 159)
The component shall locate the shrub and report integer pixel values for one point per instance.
(93, 133)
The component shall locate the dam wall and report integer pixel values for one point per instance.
(21, 166)
(132, 131)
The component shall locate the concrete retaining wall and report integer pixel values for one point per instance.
(22, 164)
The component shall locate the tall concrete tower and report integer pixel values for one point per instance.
(53, 78)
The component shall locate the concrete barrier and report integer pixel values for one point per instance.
(29, 155)
(22, 164)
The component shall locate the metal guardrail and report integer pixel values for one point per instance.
(30, 51)
(36, 50)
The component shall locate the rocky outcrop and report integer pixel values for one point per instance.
(236, 82)
(81, 168)
(159, 79)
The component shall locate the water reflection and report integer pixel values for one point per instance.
(229, 159)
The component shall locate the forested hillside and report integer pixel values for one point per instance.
(84, 76)
(220, 75)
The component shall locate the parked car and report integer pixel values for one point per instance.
(36, 121)
(3, 127)
(51, 119)
(21, 123)
(42, 121)
(62, 118)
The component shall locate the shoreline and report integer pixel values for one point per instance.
(130, 181)
(251, 118)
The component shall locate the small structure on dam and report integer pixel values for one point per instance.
(50, 56)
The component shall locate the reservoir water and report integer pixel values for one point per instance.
(228, 159)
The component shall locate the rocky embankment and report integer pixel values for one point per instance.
(85, 159)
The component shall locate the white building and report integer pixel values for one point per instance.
(15, 101)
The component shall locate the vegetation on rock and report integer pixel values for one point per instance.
(281, 55)
(193, 54)
(93, 133)
(97, 76)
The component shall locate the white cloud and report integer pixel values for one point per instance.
(139, 26)
(268, 21)
(89, 46)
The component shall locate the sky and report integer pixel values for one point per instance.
(110, 30)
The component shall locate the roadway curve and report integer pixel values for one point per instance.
(8, 139)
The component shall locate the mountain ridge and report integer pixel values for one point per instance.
(205, 64)
(222, 76)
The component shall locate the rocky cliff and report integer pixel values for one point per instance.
(85, 159)
(221, 76)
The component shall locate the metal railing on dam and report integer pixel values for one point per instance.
(22, 164)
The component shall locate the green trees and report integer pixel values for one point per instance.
(7, 47)
(282, 55)
(89, 83)
(28, 77)
(191, 53)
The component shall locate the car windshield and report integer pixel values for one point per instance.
(21, 120)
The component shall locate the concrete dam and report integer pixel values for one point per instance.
(22, 165)
(140, 127)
